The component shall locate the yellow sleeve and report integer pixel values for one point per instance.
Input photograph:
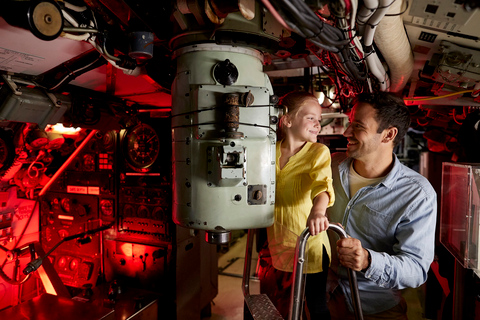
(321, 173)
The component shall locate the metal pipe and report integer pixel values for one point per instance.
(66, 163)
(296, 297)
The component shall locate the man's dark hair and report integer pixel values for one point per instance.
(391, 112)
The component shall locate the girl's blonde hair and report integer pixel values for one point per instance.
(291, 103)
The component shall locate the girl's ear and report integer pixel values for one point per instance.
(286, 121)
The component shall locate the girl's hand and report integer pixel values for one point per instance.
(317, 222)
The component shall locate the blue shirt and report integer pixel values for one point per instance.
(395, 221)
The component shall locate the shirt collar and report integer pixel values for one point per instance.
(389, 179)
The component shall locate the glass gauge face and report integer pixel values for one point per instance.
(89, 162)
(106, 207)
(142, 146)
(65, 204)
(109, 140)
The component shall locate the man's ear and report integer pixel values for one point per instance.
(389, 134)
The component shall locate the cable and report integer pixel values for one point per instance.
(275, 14)
(35, 264)
(439, 97)
(223, 123)
(454, 116)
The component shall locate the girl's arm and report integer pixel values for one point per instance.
(317, 220)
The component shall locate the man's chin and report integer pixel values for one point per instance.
(350, 153)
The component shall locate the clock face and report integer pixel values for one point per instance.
(141, 146)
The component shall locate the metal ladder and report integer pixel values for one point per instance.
(262, 308)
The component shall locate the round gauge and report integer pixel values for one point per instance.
(158, 213)
(109, 140)
(143, 212)
(62, 262)
(89, 162)
(106, 207)
(142, 147)
(128, 211)
(65, 204)
(62, 233)
(78, 209)
(73, 265)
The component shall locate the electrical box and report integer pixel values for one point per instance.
(460, 212)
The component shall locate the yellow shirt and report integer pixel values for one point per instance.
(306, 174)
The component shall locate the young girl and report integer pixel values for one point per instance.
(303, 193)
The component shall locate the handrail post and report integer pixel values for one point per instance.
(248, 262)
(296, 296)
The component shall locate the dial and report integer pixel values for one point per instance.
(142, 147)
(62, 262)
(106, 207)
(65, 204)
(128, 211)
(109, 140)
(73, 265)
(89, 162)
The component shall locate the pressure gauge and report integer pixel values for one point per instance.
(142, 147)
(88, 162)
(109, 140)
(106, 207)
(65, 204)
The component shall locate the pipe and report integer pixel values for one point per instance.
(391, 40)
(66, 163)
(296, 297)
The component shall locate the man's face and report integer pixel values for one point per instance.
(363, 140)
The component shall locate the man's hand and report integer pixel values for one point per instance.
(317, 222)
(352, 255)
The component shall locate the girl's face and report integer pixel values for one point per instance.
(305, 124)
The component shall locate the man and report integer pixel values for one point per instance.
(387, 209)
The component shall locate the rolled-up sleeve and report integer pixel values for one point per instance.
(321, 174)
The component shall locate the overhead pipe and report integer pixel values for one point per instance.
(391, 39)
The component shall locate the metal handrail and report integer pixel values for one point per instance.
(296, 298)
(246, 266)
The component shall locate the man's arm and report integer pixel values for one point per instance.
(413, 250)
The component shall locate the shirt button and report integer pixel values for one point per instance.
(348, 207)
